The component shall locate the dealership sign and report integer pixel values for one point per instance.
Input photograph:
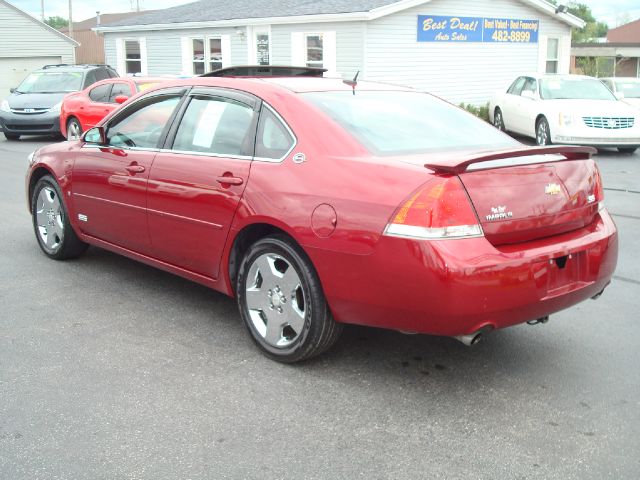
(437, 28)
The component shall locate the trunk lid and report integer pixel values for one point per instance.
(529, 193)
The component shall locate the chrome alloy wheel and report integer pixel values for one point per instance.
(73, 130)
(497, 120)
(542, 133)
(275, 300)
(49, 219)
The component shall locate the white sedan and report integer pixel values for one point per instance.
(566, 109)
(626, 89)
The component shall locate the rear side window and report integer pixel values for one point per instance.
(119, 89)
(100, 93)
(516, 87)
(273, 140)
(397, 123)
(215, 125)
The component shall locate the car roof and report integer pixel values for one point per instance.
(65, 67)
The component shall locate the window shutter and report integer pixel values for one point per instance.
(120, 66)
(329, 53)
(542, 54)
(225, 45)
(297, 49)
(143, 56)
(187, 67)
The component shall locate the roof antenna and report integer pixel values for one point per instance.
(352, 83)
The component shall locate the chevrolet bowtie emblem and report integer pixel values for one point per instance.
(552, 189)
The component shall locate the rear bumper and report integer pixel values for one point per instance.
(456, 287)
(30, 124)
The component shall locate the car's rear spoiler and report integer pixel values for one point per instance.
(457, 165)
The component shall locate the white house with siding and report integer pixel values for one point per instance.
(456, 49)
(26, 44)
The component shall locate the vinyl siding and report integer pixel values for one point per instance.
(349, 44)
(164, 48)
(21, 36)
(458, 72)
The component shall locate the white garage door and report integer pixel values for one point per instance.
(14, 70)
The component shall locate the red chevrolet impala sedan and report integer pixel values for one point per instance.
(317, 202)
(84, 109)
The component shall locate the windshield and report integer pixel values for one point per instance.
(574, 88)
(630, 88)
(397, 123)
(51, 82)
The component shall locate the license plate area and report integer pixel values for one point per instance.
(566, 273)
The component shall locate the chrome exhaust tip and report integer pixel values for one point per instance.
(538, 320)
(470, 339)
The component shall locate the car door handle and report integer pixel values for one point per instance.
(135, 168)
(224, 180)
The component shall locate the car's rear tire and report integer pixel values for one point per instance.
(281, 301)
(74, 129)
(51, 222)
(11, 136)
(498, 120)
(627, 149)
(543, 133)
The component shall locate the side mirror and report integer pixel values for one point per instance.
(528, 94)
(11, 90)
(121, 99)
(619, 95)
(95, 135)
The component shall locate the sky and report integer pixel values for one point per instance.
(613, 12)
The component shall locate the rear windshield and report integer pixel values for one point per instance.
(574, 88)
(630, 88)
(51, 82)
(398, 123)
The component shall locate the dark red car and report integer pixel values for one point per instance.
(84, 109)
(318, 202)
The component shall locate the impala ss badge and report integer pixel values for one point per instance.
(499, 213)
(552, 189)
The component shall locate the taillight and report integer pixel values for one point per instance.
(439, 209)
(598, 190)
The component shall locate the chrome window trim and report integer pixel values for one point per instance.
(134, 149)
(286, 126)
(205, 154)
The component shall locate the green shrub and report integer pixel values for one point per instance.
(481, 111)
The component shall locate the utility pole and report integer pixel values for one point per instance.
(70, 19)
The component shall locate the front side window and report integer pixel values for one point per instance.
(100, 93)
(133, 57)
(530, 85)
(552, 55)
(144, 126)
(119, 89)
(403, 123)
(314, 50)
(215, 125)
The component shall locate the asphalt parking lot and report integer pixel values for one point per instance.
(110, 369)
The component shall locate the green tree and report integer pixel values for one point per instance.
(57, 22)
(593, 28)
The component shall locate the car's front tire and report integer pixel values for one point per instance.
(11, 136)
(543, 133)
(628, 150)
(74, 129)
(51, 222)
(498, 120)
(281, 301)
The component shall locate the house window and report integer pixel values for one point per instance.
(314, 50)
(552, 55)
(209, 59)
(133, 57)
